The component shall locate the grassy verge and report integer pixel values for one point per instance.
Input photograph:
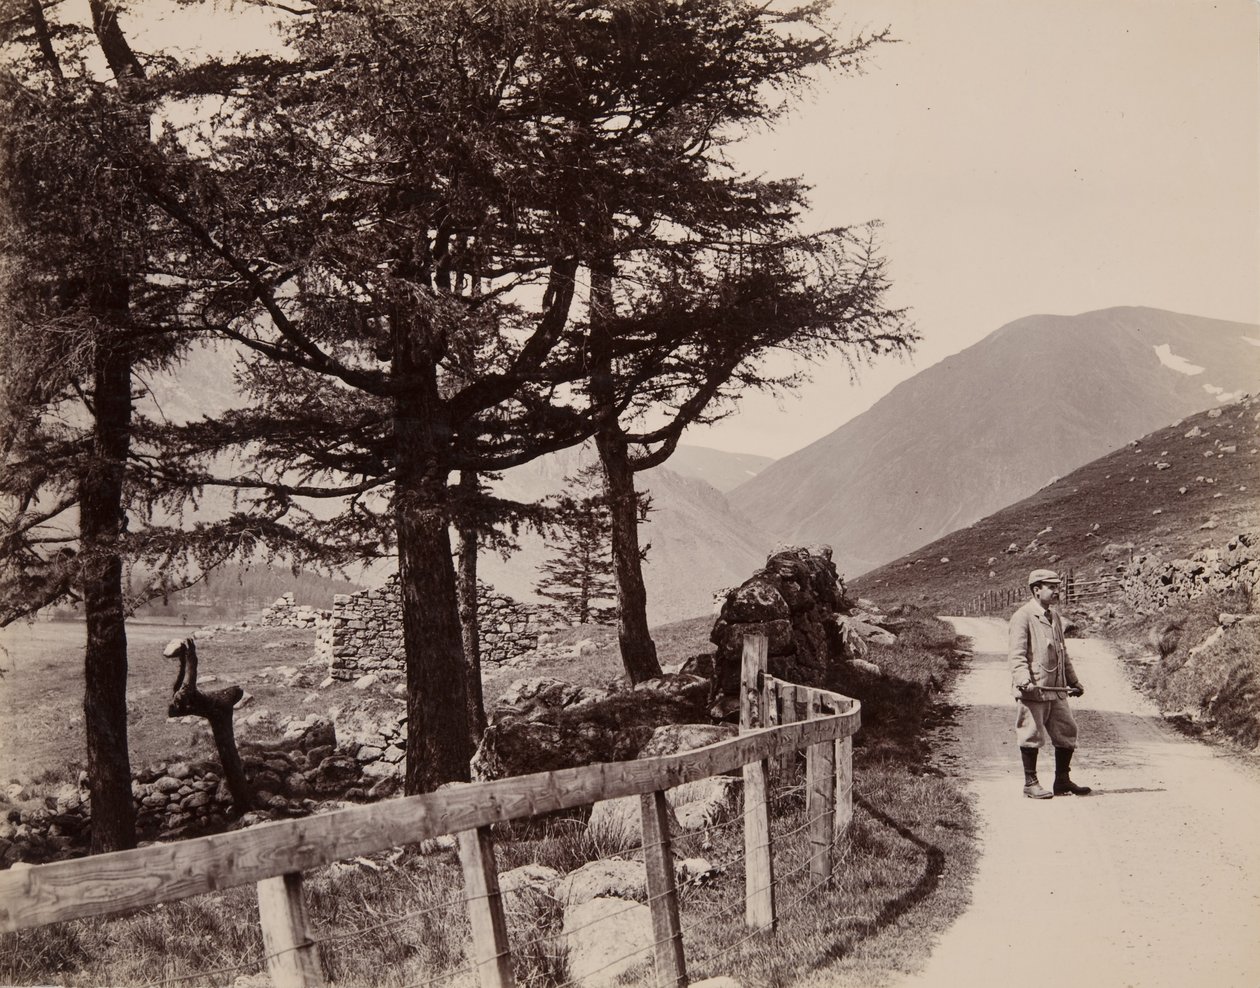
(903, 870)
(1204, 677)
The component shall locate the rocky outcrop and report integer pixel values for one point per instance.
(798, 602)
(1150, 583)
(544, 724)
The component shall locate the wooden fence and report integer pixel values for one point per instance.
(1071, 591)
(777, 719)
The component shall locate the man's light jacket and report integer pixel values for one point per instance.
(1038, 653)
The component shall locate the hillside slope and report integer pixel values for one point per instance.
(992, 424)
(699, 544)
(1185, 487)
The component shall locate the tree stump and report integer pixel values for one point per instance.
(217, 707)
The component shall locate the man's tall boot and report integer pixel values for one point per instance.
(1063, 784)
(1032, 788)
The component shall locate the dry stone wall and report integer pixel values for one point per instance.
(1151, 583)
(309, 768)
(285, 612)
(363, 634)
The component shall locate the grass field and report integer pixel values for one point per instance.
(41, 686)
(41, 692)
(905, 863)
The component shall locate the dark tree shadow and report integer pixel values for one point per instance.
(933, 868)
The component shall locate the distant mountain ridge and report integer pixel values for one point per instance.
(996, 422)
(1186, 487)
(698, 543)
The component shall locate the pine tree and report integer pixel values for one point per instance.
(580, 574)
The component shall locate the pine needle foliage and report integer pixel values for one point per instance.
(579, 574)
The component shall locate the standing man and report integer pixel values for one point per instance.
(1042, 675)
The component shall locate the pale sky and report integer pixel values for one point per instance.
(1028, 157)
(1024, 156)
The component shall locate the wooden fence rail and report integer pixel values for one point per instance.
(777, 719)
(1071, 591)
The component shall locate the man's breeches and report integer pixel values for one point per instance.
(1041, 719)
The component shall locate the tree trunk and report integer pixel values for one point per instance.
(101, 522)
(638, 651)
(467, 585)
(438, 738)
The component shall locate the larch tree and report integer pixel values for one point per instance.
(372, 226)
(455, 238)
(90, 311)
(578, 576)
(680, 248)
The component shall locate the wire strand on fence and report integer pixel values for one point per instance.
(786, 909)
(260, 960)
(249, 965)
(448, 975)
(402, 918)
(778, 878)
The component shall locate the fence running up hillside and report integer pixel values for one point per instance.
(777, 719)
(1071, 591)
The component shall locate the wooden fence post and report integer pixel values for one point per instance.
(844, 784)
(774, 706)
(785, 764)
(485, 908)
(844, 780)
(292, 956)
(758, 860)
(671, 964)
(820, 800)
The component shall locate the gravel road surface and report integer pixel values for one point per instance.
(1153, 880)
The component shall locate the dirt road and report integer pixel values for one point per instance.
(1153, 880)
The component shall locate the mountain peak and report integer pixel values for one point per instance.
(1032, 401)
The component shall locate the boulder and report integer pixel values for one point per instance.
(757, 600)
(604, 939)
(672, 738)
(333, 774)
(541, 697)
(729, 636)
(705, 802)
(874, 633)
(617, 824)
(694, 871)
(692, 805)
(683, 685)
(844, 640)
(607, 878)
(609, 730)
(529, 896)
(870, 668)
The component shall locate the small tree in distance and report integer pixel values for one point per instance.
(580, 573)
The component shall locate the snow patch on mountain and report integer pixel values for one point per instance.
(1221, 394)
(1173, 362)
